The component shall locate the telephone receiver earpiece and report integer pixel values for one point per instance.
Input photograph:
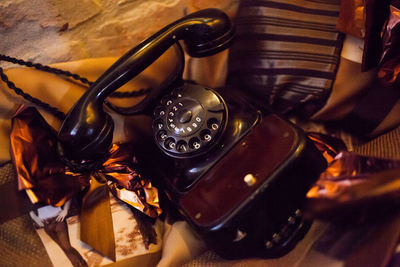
(86, 134)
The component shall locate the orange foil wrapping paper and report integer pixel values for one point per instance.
(353, 187)
(390, 67)
(48, 180)
(352, 18)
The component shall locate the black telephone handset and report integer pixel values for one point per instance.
(87, 131)
(237, 176)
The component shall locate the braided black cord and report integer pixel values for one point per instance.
(137, 93)
(57, 71)
(41, 67)
(18, 91)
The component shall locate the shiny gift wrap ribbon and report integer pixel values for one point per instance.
(361, 192)
(46, 179)
(390, 60)
(353, 187)
(352, 18)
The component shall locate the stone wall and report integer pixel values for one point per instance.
(49, 31)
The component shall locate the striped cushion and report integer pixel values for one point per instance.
(286, 53)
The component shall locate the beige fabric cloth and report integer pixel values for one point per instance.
(180, 243)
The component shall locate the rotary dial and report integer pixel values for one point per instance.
(189, 121)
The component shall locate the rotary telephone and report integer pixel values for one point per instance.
(238, 176)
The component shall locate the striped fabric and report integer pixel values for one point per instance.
(286, 53)
(384, 146)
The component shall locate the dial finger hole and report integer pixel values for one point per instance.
(182, 146)
(159, 112)
(162, 135)
(169, 143)
(158, 124)
(213, 124)
(206, 135)
(194, 143)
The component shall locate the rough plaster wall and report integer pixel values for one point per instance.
(49, 31)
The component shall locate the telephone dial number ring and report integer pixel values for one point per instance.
(188, 120)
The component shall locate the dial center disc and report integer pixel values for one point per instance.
(184, 115)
